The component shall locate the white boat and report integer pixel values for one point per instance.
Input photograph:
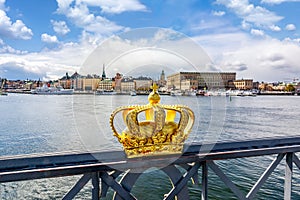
(176, 93)
(190, 93)
(132, 93)
(105, 92)
(45, 90)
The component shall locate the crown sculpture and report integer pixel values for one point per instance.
(159, 134)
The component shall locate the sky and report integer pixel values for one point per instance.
(258, 39)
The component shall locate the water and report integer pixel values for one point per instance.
(33, 124)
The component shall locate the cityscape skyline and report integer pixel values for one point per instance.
(252, 37)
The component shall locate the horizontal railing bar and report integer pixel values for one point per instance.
(236, 145)
(94, 157)
(33, 161)
(27, 168)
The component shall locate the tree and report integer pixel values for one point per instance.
(290, 88)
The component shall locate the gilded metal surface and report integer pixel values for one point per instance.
(159, 134)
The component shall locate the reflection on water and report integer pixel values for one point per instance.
(39, 124)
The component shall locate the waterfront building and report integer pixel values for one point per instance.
(117, 82)
(201, 80)
(91, 82)
(65, 81)
(106, 84)
(143, 83)
(243, 84)
(127, 85)
(76, 81)
(256, 85)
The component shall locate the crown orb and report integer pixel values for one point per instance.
(159, 133)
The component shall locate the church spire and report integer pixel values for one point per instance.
(103, 73)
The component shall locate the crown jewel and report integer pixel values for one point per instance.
(159, 134)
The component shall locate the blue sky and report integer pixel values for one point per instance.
(258, 39)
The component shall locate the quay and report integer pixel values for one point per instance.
(104, 168)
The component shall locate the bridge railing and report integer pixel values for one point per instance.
(104, 168)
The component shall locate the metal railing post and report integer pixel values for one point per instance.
(288, 176)
(204, 181)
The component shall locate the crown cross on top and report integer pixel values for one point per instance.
(159, 133)
(154, 87)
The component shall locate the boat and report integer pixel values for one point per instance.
(105, 92)
(190, 93)
(132, 93)
(45, 90)
(3, 93)
(176, 93)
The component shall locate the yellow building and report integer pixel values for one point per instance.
(127, 86)
(244, 84)
(143, 83)
(106, 84)
(91, 82)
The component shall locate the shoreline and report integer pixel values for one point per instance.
(93, 93)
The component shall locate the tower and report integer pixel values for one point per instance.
(162, 76)
(103, 73)
(162, 81)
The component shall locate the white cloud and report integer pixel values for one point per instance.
(15, 30)
(275, 28)
(296, 40)
(80, 15)
(257, 32)
(60, 27)
(218, 13)
(246, 25)
(278, 1)
(48, 38)
(263, 59)
(116, 6)
(47, 64)
(147, 53)
(290, 27)
(251, 13)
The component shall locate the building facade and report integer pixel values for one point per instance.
(201, 80)
(91, 82)
(244, 84)
(106, 84)
(143, 83)
(127, 85)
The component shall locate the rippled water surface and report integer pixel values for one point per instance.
(33, 124)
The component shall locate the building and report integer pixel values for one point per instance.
(106, 84)
(143, 83)
(77, 81)
(162, 80)
(201, 80)
(243, 84)
(127, 85)
(65, 81)
(117, 82)
(90, 82)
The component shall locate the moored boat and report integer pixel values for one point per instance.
(132, 93)
(105, 92)
(45, 90)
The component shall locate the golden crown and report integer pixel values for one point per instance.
(159, 134)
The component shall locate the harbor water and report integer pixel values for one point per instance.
(41, 124)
